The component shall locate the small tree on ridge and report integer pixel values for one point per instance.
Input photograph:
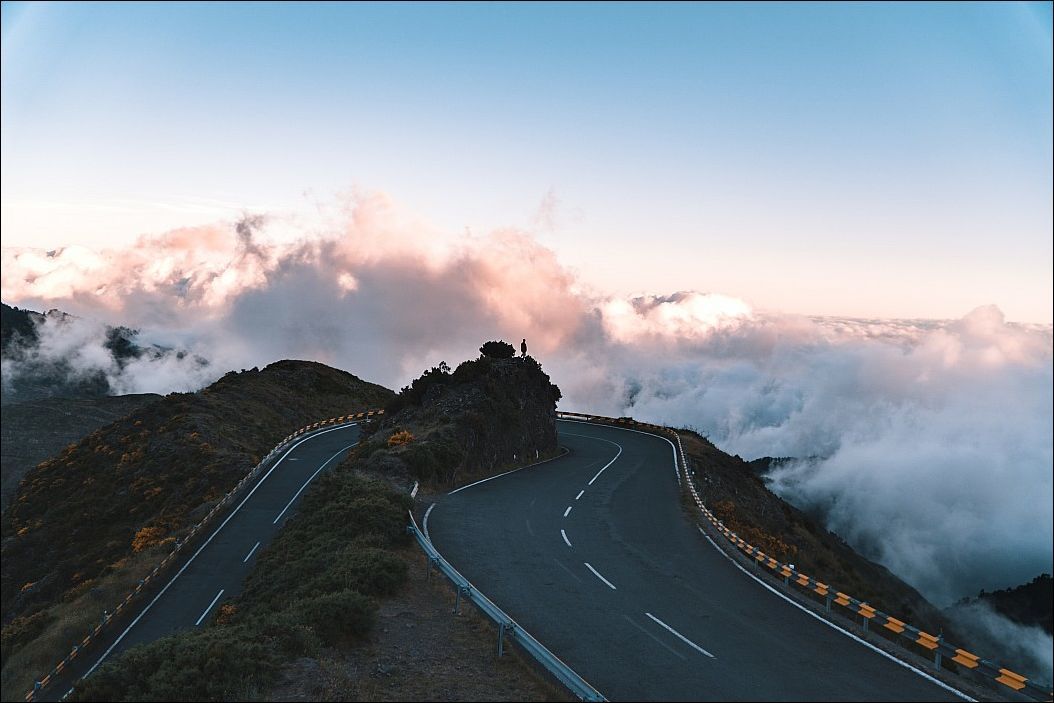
(497, 350)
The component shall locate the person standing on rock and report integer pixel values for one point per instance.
(523, 347)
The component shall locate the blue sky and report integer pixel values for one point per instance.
(870, 160)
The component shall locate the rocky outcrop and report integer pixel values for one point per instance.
(449, 428)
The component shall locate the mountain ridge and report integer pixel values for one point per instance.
(95, 518)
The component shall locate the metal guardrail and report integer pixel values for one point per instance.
(95, 631)
(933, 643)
(567, 676)
(506, 625)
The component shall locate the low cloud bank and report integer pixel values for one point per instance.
(925, 444)
(1024, 649)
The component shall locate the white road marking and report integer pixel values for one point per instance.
(529, 528)
(564, 567)
(202, 547)
(597, 574)
(598, 439)
(491, 478)
(676, 468)
(606, 465)
(662, 644)
(209, 608)
(425, 521)
(799, 606)
(684, 639)
(580, 494)
(317, 471)
(568, 511)
(566, 541)
(250, 552)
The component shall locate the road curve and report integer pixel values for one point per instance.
(214, 570)
(593, 555)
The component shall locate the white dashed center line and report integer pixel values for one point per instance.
(307, 482)
(209, 608)
(568, 511)
(250, 552)
(566, 541)
(580, 493)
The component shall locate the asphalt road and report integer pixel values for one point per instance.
(594, 556)
(214, 569)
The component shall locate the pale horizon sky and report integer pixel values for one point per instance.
(828, 159)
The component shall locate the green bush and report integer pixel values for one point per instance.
(215, 663)
(498, 350)
(310, 588)
(338, 617)
(20, 631)
(415, 392)
(373, 572)
(434, 460)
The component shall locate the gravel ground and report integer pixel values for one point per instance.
(419, 651)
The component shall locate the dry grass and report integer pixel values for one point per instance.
(72, 620)
(400, 438)
(420, 651)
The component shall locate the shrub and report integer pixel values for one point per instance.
(338, 617)
(311, 588)
(497, 350)
(23, 630)
(415, 392)
(208, 664)
(147, 537)
(434, 461)
(373, 572)
(400, 438)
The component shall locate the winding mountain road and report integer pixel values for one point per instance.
(214, 570)
(593, 555)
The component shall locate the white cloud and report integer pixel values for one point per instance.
(930, 441)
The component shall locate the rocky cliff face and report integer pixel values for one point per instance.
(447, 429)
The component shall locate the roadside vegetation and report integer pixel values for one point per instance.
(1029, 604)
(449, 427)
(314, 587)
(740, 499)
(316, 590)
(87, 524)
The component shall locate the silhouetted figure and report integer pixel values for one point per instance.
(523, 348)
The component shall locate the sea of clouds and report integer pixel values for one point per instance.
(926, 444)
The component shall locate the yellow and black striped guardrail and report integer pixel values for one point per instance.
(982, 668)
(108, 616)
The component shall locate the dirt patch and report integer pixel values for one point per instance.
(420, 651)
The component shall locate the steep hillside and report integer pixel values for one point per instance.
(318, 595)
(449, 428)
(1027, 604)
(735, 493)
(17, 327)
(28, 375)
(38, 429)
(145, 478)
(55, 354)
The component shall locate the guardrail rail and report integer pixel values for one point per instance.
(507, 627)
(904, 633)
(96, 631)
